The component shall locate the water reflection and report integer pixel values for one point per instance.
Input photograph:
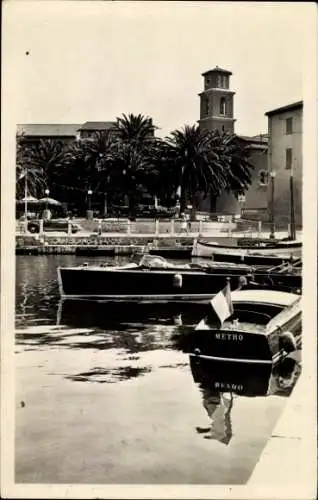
(109, 376)
(220, 382)
(93, 313)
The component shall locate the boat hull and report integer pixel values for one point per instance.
(269, 254)
(142, 285)
(158, 285)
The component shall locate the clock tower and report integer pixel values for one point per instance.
(216, 101)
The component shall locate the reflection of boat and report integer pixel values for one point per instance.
(251, 251)
(97, 313)
(245, 379)
(157, 280)
(263, 328)
(224, 376)
(220, 381)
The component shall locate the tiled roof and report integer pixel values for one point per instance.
(217, 70)
(260, 138)
(45, 129)
(97, 126)
(289, 107)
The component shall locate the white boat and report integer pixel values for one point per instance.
(250, 251)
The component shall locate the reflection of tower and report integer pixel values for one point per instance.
(216, 101)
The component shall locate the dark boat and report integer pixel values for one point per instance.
(264, 327)
(156, 280)
(249, 250)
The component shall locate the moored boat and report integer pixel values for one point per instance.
(251, 251)
(156, 280)
(263, 328)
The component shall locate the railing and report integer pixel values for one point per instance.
(168, 227)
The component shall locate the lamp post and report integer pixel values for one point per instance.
(292, 209)
(89, 204)
(47, 192)
(241, 199)
(272, 176)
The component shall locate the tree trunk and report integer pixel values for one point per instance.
(132, 207)
(193, 215)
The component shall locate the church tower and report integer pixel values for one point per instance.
(216, 101)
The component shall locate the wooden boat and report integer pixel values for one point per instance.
(245, 379)
(251, 251)
(156, 280)
(265, 327)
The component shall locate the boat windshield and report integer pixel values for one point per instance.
(154, 261)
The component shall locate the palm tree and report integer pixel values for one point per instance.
(29, 177)
(134, 155)
(135, 129)
(197, 160)
(90, 165)
(207, 162)
(49, 157)
(130, 166)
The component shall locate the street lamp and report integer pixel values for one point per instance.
(89, 199)
(272, 176)
(241, 199)
(292, 209)
(47, 192)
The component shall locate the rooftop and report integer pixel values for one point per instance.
(283, 109)
(217, 70)
(260, 139)
(46, 129)
(97, 126)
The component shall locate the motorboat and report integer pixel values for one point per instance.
(248, 250)
(155, 279)
(265, 326)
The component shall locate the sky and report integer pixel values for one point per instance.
(77, 61)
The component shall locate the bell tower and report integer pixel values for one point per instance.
(216, 101)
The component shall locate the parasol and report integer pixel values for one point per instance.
(49, 201)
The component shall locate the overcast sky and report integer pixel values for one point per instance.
(91, 61)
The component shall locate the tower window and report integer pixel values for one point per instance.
(222, 106)
(224, 82)
(289, 158)
(206, 106)
(289, 126)
(219, 81)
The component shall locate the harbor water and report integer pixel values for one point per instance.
(105, 396)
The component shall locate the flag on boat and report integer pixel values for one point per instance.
(222, 303)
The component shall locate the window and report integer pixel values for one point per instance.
(219, 82)
(289, 158)
(206, 106)
(222, 106)
(224, 82)
(263, 178)
(289, 126)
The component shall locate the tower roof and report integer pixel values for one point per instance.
(217, 70)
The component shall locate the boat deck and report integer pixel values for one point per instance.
(228, 326)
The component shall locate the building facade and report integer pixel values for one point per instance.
(217, 113)
(33, 133)
(216, 101)
(285, 161)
